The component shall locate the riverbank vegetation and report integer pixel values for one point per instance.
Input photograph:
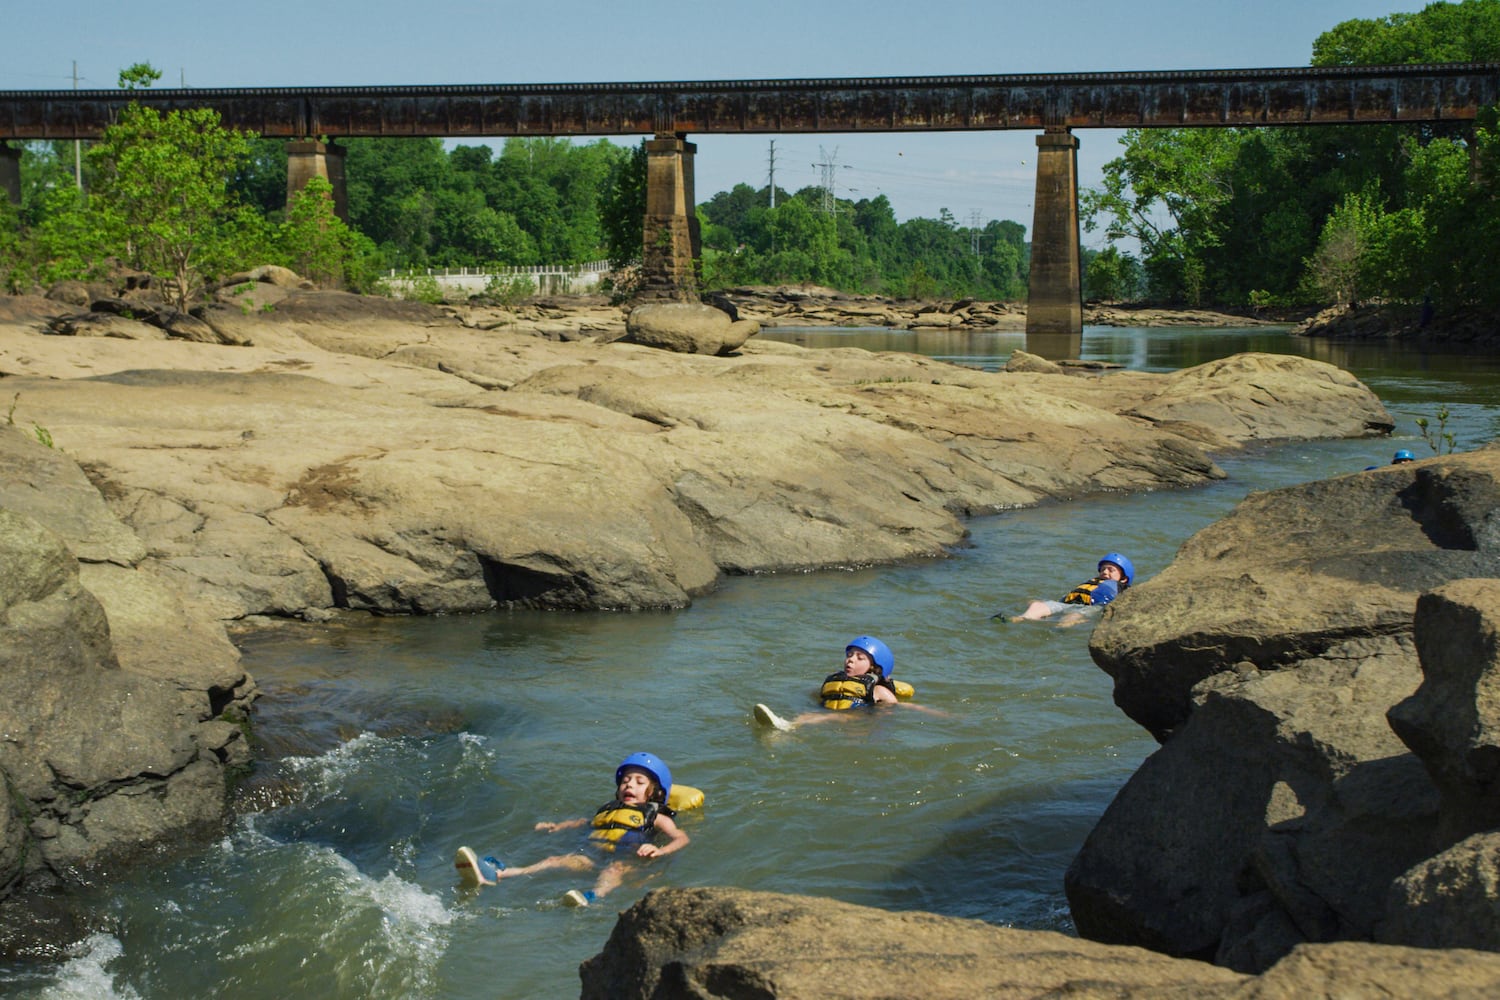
(1224, 217)
(1336, 214)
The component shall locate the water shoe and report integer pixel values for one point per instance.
(766, 717)
(575, 897)
(476, 871)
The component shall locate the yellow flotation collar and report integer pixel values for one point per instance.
(684, 797)
(903, 689)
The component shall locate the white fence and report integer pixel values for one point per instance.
(549, 279)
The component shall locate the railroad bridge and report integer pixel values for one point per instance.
(312, 119)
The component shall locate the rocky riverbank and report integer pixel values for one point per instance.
(1322, 819)
(294, 453)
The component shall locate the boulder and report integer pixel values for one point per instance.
(1279, 813)
(1282, 807)
(117, 698)
(1451, 900)
(738, 943)
(1258, 397)
(733, 943)
(1293, 572)
(688, 328)
(1450, 721)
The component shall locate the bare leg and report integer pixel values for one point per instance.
(575, 862)
(1034, 610)
(609, 879)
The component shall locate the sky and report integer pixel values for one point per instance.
(977, 176)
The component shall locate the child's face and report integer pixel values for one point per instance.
(857, 661)
(636, 787)
(1112, 572)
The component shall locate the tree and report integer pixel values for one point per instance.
(161, 196)
(139, 77)
(622, 209)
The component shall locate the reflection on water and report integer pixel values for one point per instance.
(391, 741)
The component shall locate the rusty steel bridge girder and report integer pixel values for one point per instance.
(1161, 99)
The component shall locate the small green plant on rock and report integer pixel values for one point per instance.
(509, 289)
(1442, 441)
(424, 288)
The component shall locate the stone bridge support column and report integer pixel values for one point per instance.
(309, 158)
(1055, 299)
(10, 173)
(672, 242)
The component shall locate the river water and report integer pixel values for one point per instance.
(388, 742)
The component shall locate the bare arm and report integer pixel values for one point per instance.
(566, 824)
(677, 839)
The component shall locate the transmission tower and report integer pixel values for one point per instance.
(828, 165)
(974, 232)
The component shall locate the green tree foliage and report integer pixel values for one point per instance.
(539, 201)
(859, 247)
(139, 77)
(1330, 213)
(313, 241)
(161, 196)
(622, 209)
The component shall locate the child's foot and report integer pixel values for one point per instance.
(477, 871)
(577, 897)
(766, 717)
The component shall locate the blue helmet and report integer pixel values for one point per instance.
(1126, 566)
(652, 765)
(879, 652)
(1403, 456)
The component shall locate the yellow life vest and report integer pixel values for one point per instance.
(615, 822)
(1084, 592)
(840, 691)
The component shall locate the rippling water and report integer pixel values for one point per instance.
(390, 741)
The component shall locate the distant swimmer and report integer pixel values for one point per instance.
(866, 681)
(1114, 575)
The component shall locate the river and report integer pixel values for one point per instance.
(388, 742)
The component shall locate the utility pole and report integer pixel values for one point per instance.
(77, 145)
(771, 159)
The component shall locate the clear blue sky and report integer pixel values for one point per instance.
(315, 42)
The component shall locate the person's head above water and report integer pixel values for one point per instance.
(1121, 563)
(876, 654)
(1403, 456)
(648, 766)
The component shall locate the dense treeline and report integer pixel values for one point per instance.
(1221, 216)
(413, 204)
(1327, 214)
(856, 246)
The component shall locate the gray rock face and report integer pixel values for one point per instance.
(1453, 720)
(731, 943)
(112, 694)
(1279, 657)
(1293, 572)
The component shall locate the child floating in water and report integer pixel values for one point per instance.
(1115, 573)
(627, 823)
(864, 681)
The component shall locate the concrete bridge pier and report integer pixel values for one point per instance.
(10, 172)
(1055, 295)
(673, 245)
(309, 158)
